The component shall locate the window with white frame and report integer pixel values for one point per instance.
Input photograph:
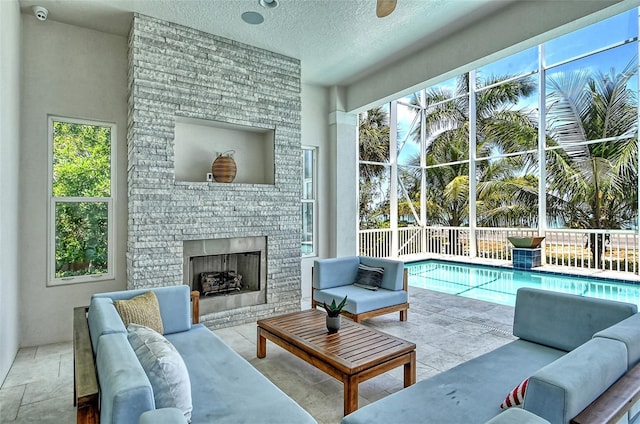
(82, 197)
(308, 201)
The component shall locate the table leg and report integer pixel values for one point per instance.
(350, 395)
(261, 345)
(410, 370)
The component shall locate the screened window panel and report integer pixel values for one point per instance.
(523, 63)
(374, 196)
(592, 38)
(447, 195)
(507, 192)
(590, 99)
(408, 134)
(373, 134)
(507, 118)
(409, 195)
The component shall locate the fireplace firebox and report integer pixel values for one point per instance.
(228, 273)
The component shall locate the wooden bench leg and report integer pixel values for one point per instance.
(404, 314)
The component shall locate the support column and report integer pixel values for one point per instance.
(473, 215)
(542, 155)
(343, 206)
(393, 186)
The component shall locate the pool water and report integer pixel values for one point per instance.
(499, 285)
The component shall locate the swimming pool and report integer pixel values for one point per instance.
(499, 285)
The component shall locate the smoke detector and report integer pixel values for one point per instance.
(40, 12)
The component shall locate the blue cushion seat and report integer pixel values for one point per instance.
(225, 388)
(361, 300)
(468, 393)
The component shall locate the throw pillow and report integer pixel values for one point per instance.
(164, 367)
(516, 396)
(143, 310)
(369, 277)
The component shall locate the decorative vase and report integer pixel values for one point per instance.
(333, 324)
(223, 167)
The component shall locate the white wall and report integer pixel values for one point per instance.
(315, 132)
(74, 72)
(9, 169)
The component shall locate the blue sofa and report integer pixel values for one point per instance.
(225, 388)
(334, 278)
(571, 348)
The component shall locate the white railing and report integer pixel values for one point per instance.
(409, 240)
(376, 243)
(617, 250)
(447, 240)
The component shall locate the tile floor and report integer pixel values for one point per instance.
(446, 329)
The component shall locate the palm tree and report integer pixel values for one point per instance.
(594, 185)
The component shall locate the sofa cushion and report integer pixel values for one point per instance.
(517, 416)
(142, 310)
(162, 416)
(628, 332)
(229, 389)
(564, 321)
(361, 300)
(165, 368)
(103, 319)
(515, 396)
(468, 393)
(562, 389)
(334, 272)
(393, 271)
(125, 391)
(174, 301)
(369, 277)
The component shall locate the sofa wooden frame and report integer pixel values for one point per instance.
(86, 391)
(616, 401)
(403, 308)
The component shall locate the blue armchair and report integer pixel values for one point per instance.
(333, 279)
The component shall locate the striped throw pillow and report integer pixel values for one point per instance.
(369, 277)
(516, 396)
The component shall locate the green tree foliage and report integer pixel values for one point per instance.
(81, 170)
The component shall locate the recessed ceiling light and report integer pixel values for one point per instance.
(253, 18)
(268, 4)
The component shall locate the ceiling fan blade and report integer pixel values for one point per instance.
(385, 7)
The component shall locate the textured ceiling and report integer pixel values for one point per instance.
(337, 41)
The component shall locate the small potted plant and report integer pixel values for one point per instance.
(333, 314)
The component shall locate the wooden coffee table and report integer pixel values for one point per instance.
(354, 354)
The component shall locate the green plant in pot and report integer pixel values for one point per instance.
(333, 314)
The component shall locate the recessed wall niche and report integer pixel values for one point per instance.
(198, 142)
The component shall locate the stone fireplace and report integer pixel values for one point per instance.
(179, 74)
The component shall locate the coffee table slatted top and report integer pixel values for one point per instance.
(350, 350)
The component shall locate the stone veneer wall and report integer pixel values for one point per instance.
(176, 71)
